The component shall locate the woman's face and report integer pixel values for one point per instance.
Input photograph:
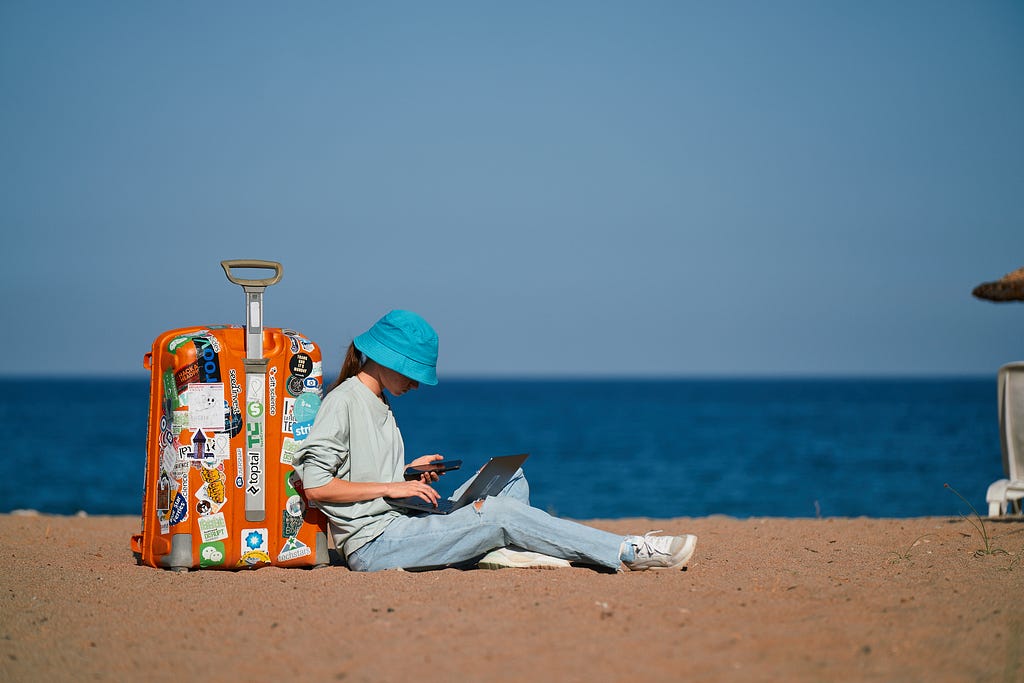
(396, 383)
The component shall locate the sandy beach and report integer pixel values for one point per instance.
(764, 599)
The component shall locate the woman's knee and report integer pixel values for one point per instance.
(517, 488)
(497, 508)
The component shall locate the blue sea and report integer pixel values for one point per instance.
(599, 449)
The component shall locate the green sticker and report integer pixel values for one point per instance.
(173, 345)
(171, 389)
(289, 447)
(211, 554)
(290, 524)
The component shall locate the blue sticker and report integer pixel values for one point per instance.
(206, 358)
(301, 430)
(306, 407)
(179, 510)
(254, 540)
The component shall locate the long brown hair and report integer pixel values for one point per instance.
(353, 363)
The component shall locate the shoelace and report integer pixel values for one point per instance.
(647, 548)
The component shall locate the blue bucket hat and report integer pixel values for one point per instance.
(403, 342)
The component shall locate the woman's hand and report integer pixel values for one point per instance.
(427, 477)
(417, 488)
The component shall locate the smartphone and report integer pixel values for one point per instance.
(440, 467)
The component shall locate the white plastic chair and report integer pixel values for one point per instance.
(1004, 496)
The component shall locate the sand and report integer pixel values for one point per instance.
(764, 599)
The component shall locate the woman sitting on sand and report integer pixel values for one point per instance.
(353, 461)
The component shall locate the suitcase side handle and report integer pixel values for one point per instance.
(253, 263)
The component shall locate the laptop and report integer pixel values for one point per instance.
(494, 476)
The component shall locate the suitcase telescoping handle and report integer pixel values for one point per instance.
(255, 382)
(253, 299)
(253, 263)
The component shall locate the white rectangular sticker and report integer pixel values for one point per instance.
(288, 448)
(206, 406)
(213, 527)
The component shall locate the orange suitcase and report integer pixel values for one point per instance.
(228, 406)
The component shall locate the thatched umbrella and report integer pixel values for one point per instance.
(1009, 287)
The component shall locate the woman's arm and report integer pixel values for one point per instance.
(343, 491)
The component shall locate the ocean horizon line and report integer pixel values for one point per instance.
(582, 377)
(84, 514)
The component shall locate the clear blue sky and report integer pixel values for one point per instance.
(567, 188)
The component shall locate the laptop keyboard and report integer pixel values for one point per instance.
(416, 502)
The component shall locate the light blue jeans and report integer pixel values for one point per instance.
(426, 541)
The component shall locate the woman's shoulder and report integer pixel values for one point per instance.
(349, 392)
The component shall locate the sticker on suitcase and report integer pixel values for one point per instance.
(255, 549)
(213, 493)
(293, 549)
(298, 341)
(213, 527)
(292, 520)
(200, 447)
(212, 554)
(272, 387)
(298, 415)
(289, 447)
(206, 406)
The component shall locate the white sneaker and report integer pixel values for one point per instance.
(660, 552)
(505, 558)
